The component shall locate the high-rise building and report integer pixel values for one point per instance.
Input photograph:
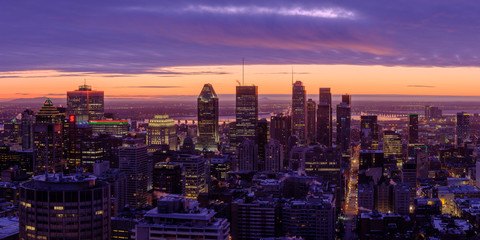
(371, 159)
(85, 104)
(462, 128)
(401, 199)
(409, 176)
(207, 104)
(392, 146)
(117, 181)
(369, 132)
(344, 124)
(48, 140)
(248, 156)
(168, 177)
(412, 128)
(246, 109)
(281, 128)
(366, 198)
(133, 159)
(53, 206)
(161, 131)
(274, 156)
(311, 121)
(262, 141)
(195, 170)
(181, 218)
(28, 121)
(324, 118)
(117, 128)
(299, 112)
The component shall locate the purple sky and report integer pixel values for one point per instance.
(137, 36)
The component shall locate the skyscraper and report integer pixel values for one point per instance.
(64, 207)
(299, 112)
(133, 160)
(324, 118)
(412, 128)
(343, 123)
(196, 170)
(28, 121)
(248, 156)
(274, 156)
(262, 141)
(207, 104)
(48, 140)
(392, 146)
(369, 132)
(281, 128)
(161, 131)
(85, 104)
(246, 109)
(311, 121)
(463, 125)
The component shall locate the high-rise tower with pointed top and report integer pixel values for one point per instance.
(299, 112)
(207, 104)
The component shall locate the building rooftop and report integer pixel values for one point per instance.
(8, 226)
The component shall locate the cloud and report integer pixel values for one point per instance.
(120, 39)
(420, 86)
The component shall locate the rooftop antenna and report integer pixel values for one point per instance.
(243, 71)
(85, 81)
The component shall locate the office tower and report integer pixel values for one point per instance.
(168, 178)
(347, 99)
(311, 121)
(296, 158)
(13, 132)
(255, 218)
(207, 118)
(161, 131)
(195, 170)
(401, 199)
(117, 181)
(343, 124)
(116, 128)
(412, 128)
(299, 112)
(28, 122)
(409, 176)
(248, 156)
(64, 207)
(85, 104)
(232, 136)
(246, 108)
(274, 156)
(313, 218)
(177, 217)
(324, 118)
(392, 146)
(462, 127)
(369, 132)
(48, 140)
(262, 141)
(133, 160)
(220, 167)
(79, 148)
(281, 128)
(432, 113)
(366, 198)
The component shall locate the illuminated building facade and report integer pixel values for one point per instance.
(48, 140)
(462, 127)
(85, 104)
(168, 177)
(246, 108)
(207, 104)
(117, 128)
(53, 206)
(324, 118)
(161, 131)
(196, 173)
(299, 112)
(392, 146)
(281, 128)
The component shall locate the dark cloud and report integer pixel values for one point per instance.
(420, 86)
(131, 37)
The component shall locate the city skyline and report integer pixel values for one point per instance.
(175, 48)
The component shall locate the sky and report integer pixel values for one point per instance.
(148, 49)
